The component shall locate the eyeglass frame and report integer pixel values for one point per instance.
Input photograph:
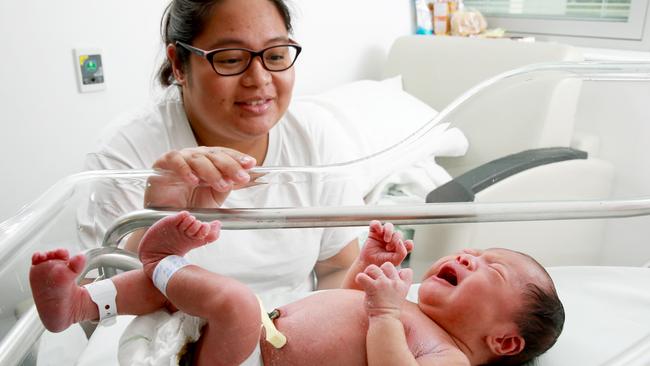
(209, 55)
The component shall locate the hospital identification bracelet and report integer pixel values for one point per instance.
(166, 269)
(103, 294)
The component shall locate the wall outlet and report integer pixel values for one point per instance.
(90, 70)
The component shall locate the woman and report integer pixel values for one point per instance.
(229, 80)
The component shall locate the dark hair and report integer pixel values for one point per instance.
(184, 20)
(540, 321)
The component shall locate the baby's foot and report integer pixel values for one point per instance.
(58, 298)
(175, 235)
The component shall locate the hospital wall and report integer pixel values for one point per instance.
(47, 125)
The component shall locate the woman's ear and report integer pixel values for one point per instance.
(177, 67)
(506, 345)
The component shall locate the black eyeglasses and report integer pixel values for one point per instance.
(235, 61)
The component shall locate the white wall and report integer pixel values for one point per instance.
(47, 126)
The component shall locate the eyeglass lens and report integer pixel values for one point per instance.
(278, 58)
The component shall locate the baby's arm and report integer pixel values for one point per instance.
(386, 343)
(386, 289)
(384, 244)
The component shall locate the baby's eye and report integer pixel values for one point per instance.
(473, 252)
(497, 270)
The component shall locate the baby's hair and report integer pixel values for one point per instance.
(540, 321)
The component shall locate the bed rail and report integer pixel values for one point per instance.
(429, 213)
(29, 328)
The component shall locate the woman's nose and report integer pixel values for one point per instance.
(256, 75)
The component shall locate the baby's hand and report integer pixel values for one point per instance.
(384, 244)
(386, 288)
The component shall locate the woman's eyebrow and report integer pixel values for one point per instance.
(236, 42)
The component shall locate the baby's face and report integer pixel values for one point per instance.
(473, 291)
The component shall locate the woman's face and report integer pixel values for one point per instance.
(239, 110)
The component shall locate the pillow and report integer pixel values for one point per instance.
(378, 115)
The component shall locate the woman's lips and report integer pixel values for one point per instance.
(255, 106)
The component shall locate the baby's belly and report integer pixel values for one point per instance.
(327, 328)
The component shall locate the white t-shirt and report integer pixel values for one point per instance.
(276, 260)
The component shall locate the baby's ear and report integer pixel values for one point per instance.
(506, 345)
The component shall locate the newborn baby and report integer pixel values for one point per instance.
(474, 308)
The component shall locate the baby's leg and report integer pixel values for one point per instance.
(61, 302)
(231, 309)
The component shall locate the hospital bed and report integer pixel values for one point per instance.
(608, 308)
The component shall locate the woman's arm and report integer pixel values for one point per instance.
(331, 272)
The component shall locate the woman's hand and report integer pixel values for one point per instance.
(199, 177)
(384, 244)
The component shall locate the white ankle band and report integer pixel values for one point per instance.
(165, 269)
(103, 294)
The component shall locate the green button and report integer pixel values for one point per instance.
(91, 66)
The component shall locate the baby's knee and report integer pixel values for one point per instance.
(236, 314)
(235, 301)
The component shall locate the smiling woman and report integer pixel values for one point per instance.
(229, 79)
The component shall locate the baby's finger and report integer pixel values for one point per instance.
(375, 226)
(395, 241)
(400, 249)
(409, 245)
(373, 271)
(388, 232)
(406, 274)
(389, 270)
(363, 280)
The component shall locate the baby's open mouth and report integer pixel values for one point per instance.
(448, 274)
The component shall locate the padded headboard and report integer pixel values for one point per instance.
(500, 120)
(439, 69)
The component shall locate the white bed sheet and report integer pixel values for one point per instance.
(607, 311)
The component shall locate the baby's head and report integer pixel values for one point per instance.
(498, 305)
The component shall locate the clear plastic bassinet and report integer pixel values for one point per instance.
(555, 165)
